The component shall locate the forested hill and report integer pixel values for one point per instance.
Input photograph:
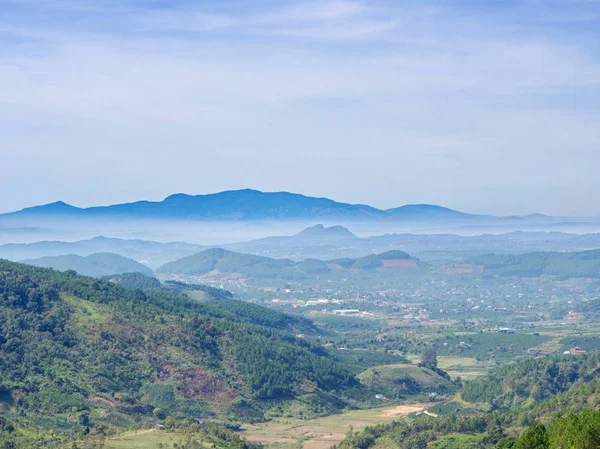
(531, 381)
(73, 346)
(563, 265)
(544, 403)
(229, 262)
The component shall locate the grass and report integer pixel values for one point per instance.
(86, 312)
(145, 439)
(457, 441)
(281, 433)
(318, 433)
(464, 367)
(422, 376)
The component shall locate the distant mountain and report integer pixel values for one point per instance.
(229, 205)
(149, 253)
(428, 211)
(95, 265)
(449, 247)
(320, 232)
(56, 208)
(254, 205)
(220, 261)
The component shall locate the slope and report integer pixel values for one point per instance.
(229, 262)
(73, 346)
(95, 265)
(568, 417)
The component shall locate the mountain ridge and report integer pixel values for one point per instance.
(245, 204)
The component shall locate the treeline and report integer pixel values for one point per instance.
(181, 287)
(572, 431)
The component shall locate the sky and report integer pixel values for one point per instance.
(486, 107)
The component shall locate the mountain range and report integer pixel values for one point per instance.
(244, 204)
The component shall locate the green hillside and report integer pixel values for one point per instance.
(134, 281)
(402, 380)
(95, 265)
(569, 417)
(533, 380)
(228, 262)
(78, 352)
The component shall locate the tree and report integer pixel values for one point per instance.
(429, 358)
(535, 437)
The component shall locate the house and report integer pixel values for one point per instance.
(346, 312)
(573, 316)
(577, 350)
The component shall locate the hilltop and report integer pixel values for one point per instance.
(320, 232)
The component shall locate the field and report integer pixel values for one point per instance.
(322, 433)
(284, 433)
(144, 439)
(463, 367)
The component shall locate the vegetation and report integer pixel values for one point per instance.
(567, 419)
(134, 281)
(87, 353)
(533, 380)
(225, 261)
(182, 288)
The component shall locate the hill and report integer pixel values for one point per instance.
(78, 352)
(402, 380)
(563, 412)
(229, 262)
(152, 254)
(531, 381)
(564, 265)
(95, 265)
(320, 232)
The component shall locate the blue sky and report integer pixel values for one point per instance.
(487, 107)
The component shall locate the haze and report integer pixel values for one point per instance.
(487, 108)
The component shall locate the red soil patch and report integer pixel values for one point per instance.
(196, 383)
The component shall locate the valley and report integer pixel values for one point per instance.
(182, 345)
